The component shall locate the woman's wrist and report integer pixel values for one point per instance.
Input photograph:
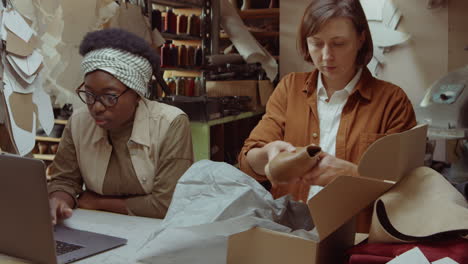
(257, 159)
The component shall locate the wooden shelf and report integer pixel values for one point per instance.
(259, 13)
(257, 34)
(49, 157)
(180, 3)
(60, 122)
(48, 139)
(180, 37)
(194, 69)
(181, 73)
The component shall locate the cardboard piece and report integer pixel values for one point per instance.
(130, 18)
(158, 39)
(22, 110)
(16, 45)
(394, 157)
(333, 208)
(77, 24)
(22, 114)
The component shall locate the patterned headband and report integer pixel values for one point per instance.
(132, 70)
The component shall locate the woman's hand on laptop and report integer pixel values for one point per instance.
(61, 204)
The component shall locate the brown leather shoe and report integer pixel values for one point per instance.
(287, 165)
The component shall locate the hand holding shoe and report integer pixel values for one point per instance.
(259, 157)
(291, 166)
(328, 168)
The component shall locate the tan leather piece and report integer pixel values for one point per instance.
(421, 205)
(288, 165)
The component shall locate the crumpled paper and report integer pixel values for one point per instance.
(213, 200)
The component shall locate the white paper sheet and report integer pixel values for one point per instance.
(374, 66)
(28, 65)
(15, 82)
(379, 54)
(44, 107)
(213, 200)
(391, 15)
(413, 256)
(373, 9)
(27, 78)
(245, 43)
(446, 260)
(386, 37)
(16, 23)
(24, 140)
(3, 31)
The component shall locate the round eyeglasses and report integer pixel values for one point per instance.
(108, 100)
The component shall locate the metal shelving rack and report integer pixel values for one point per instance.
(209, 29)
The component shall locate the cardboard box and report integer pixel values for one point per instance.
(258, 91)
(332, 209)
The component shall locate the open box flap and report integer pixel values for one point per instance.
(385, 162)
(395, 155)
(342, 199)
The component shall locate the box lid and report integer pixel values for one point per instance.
(395, 155)
(381, 166)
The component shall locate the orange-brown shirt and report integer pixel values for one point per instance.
(375, 108)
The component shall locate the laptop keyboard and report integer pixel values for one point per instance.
(63, 248)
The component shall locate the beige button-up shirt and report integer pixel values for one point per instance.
(142, 162)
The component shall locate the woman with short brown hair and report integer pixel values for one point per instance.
(339, 106)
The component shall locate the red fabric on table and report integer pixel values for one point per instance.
(381, 253)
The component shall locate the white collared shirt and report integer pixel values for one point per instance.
(329, 111)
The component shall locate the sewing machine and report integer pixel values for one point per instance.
(445, 109)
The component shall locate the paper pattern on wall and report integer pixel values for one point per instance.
(24, 140)
(24, 97)
(383, 18)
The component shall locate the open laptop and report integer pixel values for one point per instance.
(26, 229)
